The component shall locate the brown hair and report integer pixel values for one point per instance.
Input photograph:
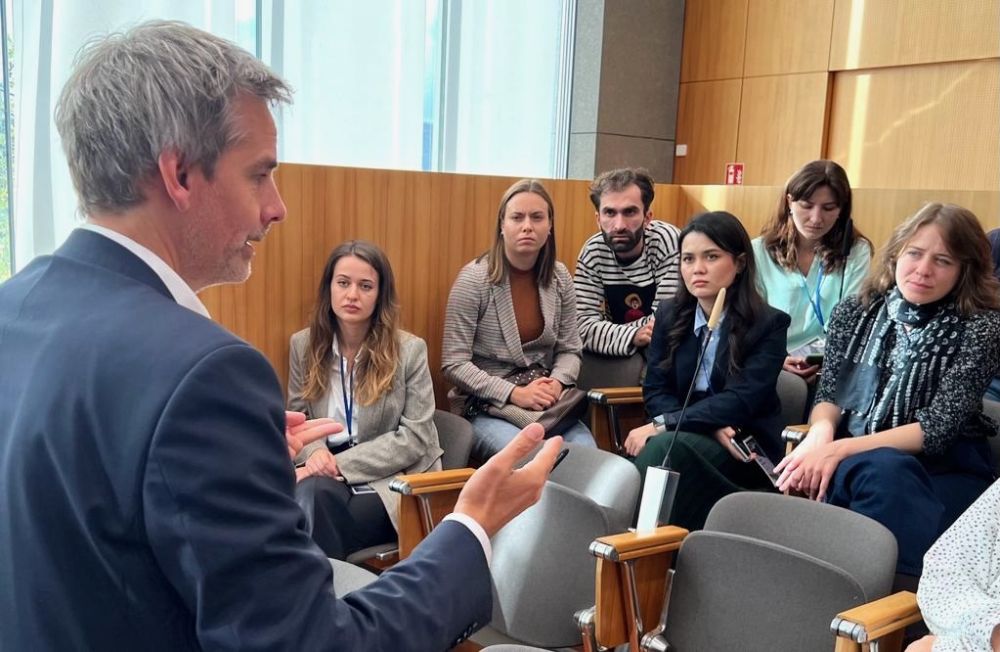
(780, 235)
(496, 258)
(976, 289)
(619, 180)
(379, 355)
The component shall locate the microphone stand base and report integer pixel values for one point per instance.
(657, 501)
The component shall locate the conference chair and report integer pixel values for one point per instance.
(884, 621)
(542, 573)
(613, 387)
(455, 439)
(598, 370)
(614, 411)
(348, 577)
(768, 572)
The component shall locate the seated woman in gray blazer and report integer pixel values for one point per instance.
(355, 365)
(512, 308)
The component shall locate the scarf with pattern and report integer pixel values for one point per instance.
(895, 360)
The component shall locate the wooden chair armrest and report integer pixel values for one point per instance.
(425, 499)
(613, 412)
(631, 583)
(630, 545)
(793, 436)
(875, 620)
(430, 482)
(615, 395)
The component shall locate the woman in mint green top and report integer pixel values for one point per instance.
(809, 256)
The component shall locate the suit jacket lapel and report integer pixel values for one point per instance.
(504, 304)
(720, 366)
(685, 359)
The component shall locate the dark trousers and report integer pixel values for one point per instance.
(707, 473)
(340, 522)
(894, 488)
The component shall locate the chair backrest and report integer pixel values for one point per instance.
(794, 393)
(735, 592)
(455, 439)
(542, 570)
(862, 547)
(770, 572)
(609, 480)
(992, 410)
(598, 370)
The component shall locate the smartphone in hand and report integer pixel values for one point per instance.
(761, 458)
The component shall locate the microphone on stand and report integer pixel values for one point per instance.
(660, 486)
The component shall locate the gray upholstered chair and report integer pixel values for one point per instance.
(613, 386)
(598, 370)
(348, 577)
(455, 439)
(768, 572)
(794, 395)
(542, 573)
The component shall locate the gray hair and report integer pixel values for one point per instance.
(160, 85)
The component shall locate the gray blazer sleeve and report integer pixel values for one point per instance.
(297, 365)
(392, 451)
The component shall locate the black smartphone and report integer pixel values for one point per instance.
(763, 461)
(815, 359)
(559, 458)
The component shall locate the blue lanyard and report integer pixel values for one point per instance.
(348, 402)
(815, 302)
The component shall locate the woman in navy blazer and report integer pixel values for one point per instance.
(735, 389)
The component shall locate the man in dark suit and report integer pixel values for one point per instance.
(145, 485)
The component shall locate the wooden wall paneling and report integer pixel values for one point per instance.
(872, 34)
(782, 125)
(752, 204)
(787, 36)
(877, 211)
(933, 126)
(714, 37)
(708, 122)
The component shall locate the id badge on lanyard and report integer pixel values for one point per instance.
(348, 400)
(814, 298)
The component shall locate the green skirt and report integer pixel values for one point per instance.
(707, 473)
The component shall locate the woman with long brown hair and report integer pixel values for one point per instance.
(355, 365)
(810, 256)
(898, 431)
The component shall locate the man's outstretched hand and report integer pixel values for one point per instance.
(300, 432)
(497, 492)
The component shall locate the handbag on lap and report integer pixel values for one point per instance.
(556, 419)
